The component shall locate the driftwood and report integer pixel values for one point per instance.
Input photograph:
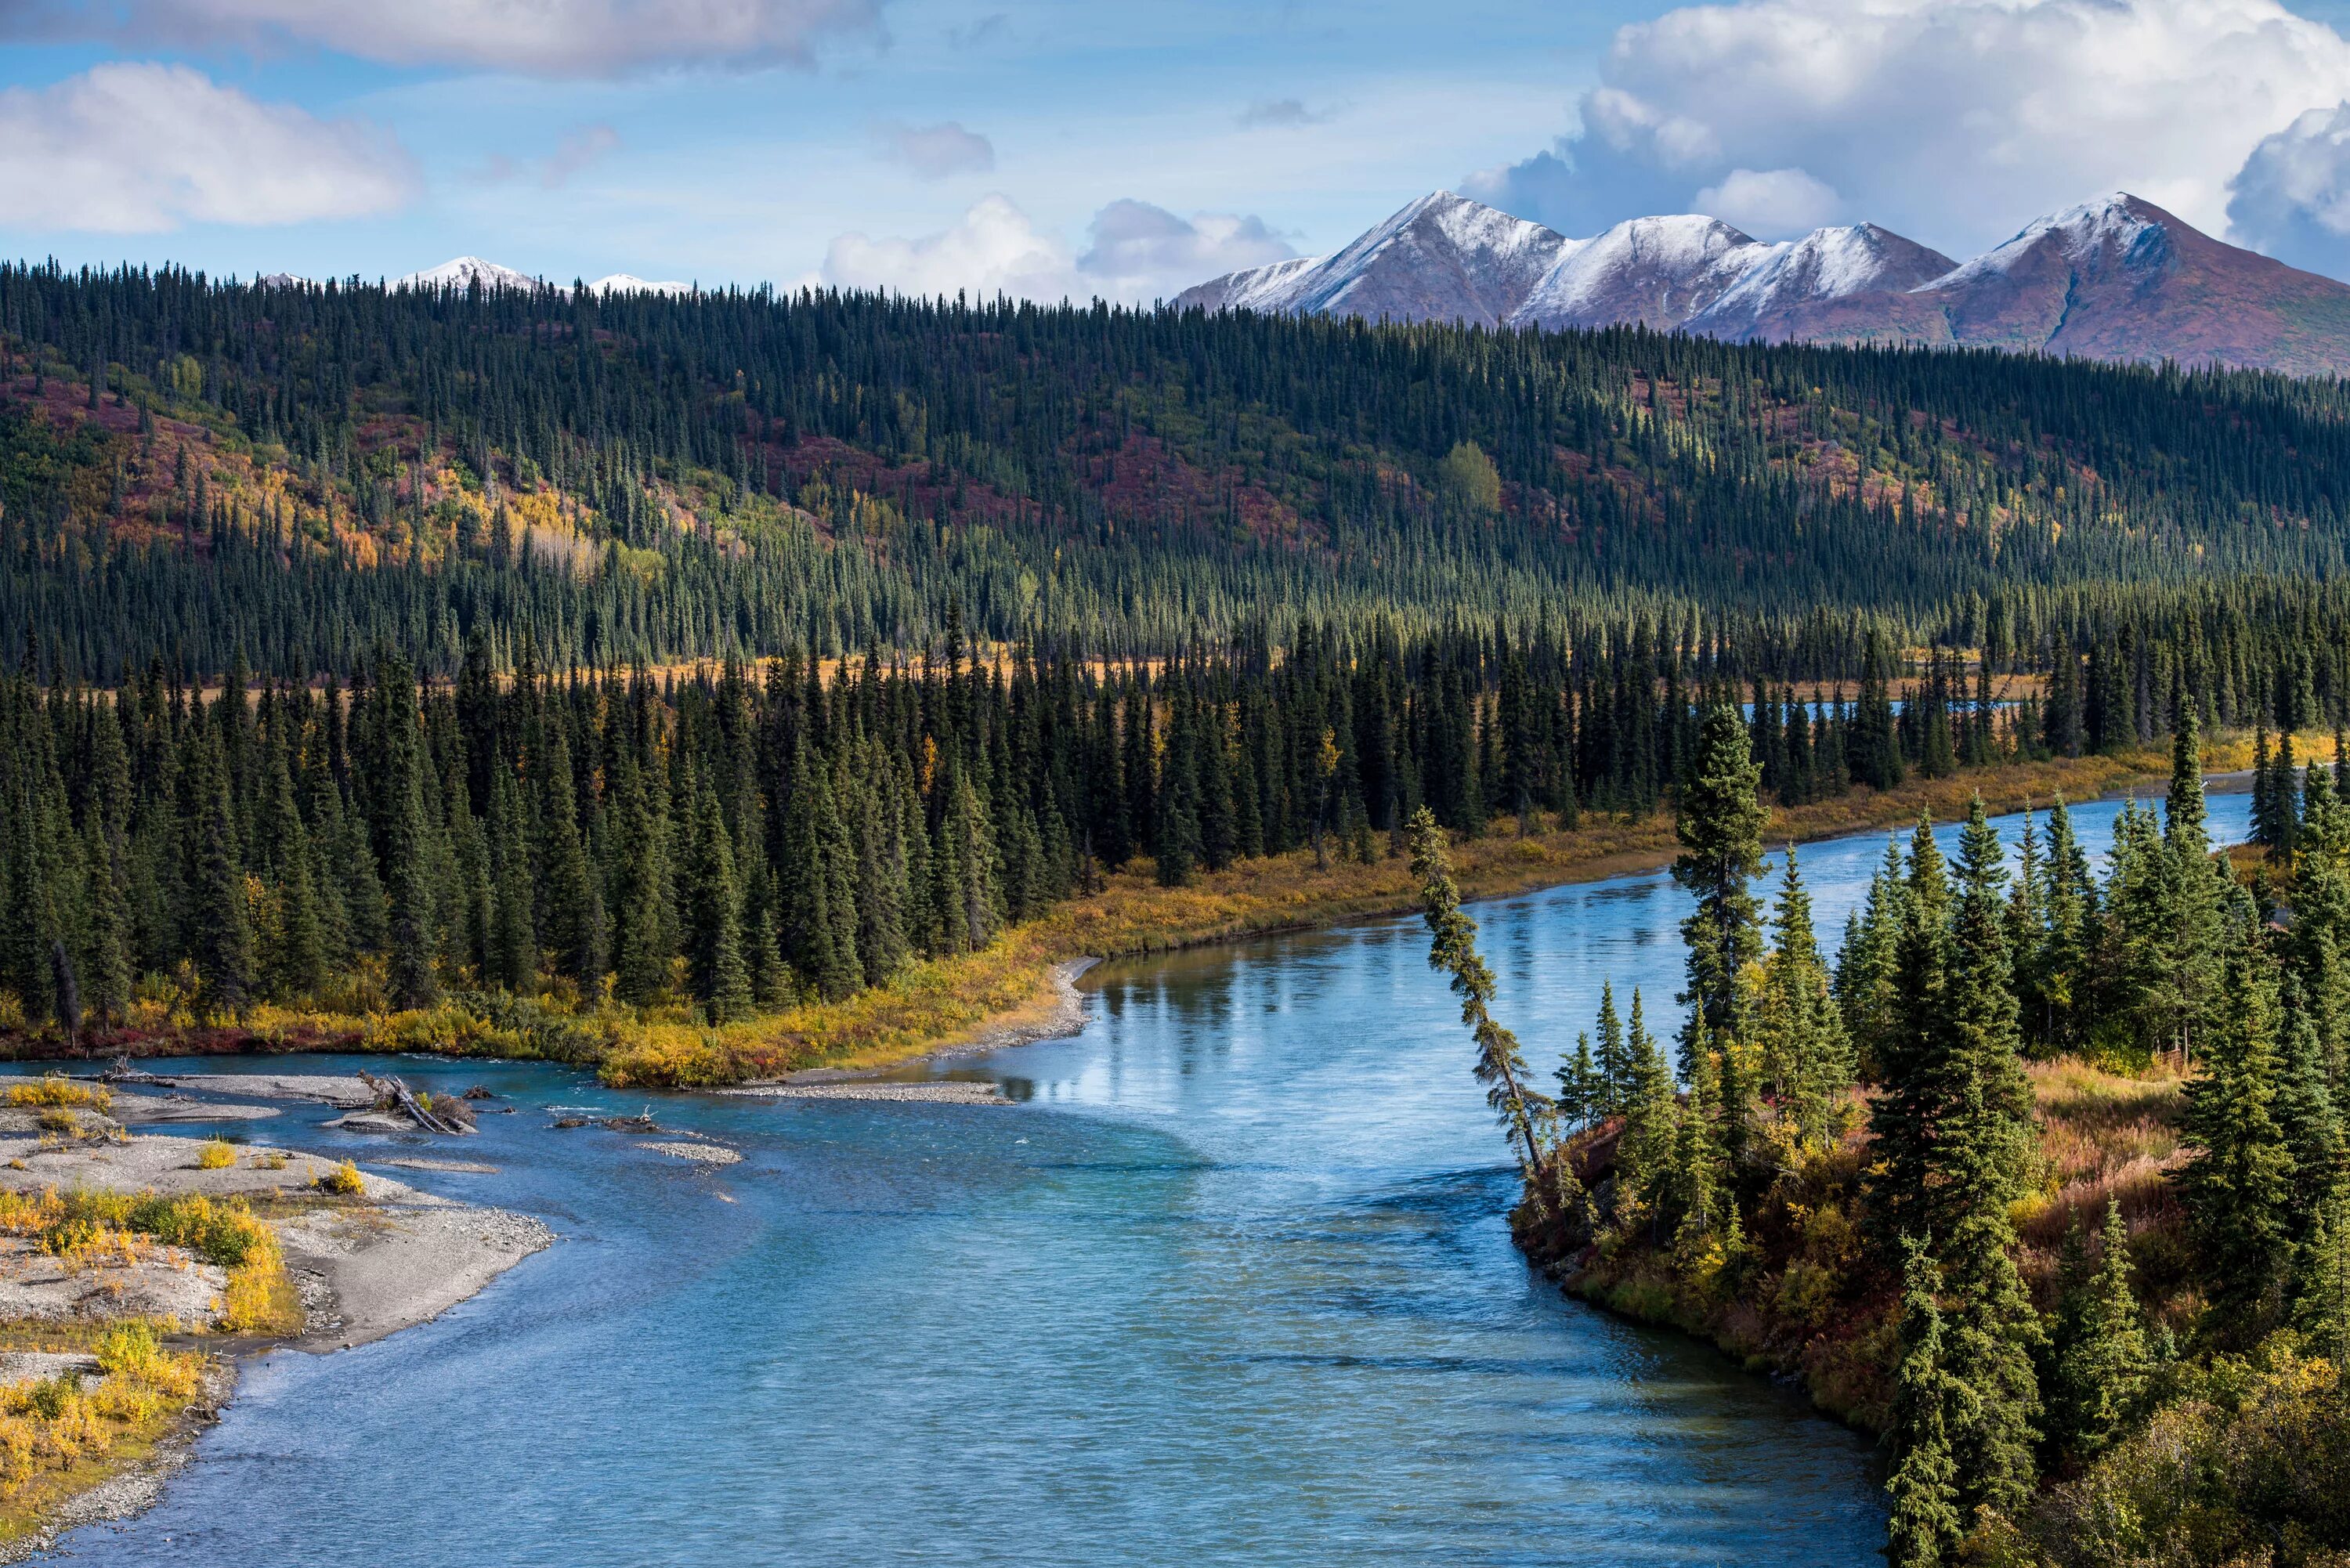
(393, 1094)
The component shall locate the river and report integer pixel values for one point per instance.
(1229, 1284)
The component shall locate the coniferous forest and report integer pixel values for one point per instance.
(536, 664)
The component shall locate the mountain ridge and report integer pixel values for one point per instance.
(2114, 278)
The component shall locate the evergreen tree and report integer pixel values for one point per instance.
(1720, 832)
(713, 927)
(2102, 1360)
(1925, 1527)
(2236, 1186)
(1452, 947)
(221, 930)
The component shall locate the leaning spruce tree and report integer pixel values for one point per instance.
(1452, 947)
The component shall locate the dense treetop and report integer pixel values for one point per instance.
(297, 473)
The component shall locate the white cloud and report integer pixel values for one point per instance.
(136, 148)
(1952, 121)
(1772, 203)
(2292, 198)
(1143, 253)
(533, 37)
(990, 249)
(1138, 252)
(936, 151)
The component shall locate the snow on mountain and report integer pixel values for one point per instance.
(1655, 272)
(624, 283)
(1442, 258)
(462, 273)
(2113, 225)
(281, 280)
(1826, 264)
(1266, 288)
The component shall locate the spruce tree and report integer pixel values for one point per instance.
(221, 932)
(2236, 1186)
(1925, 1527)
(713, 928)
(2322, 1301)
(1452, 947)
(2103, 1361)
(1721, 831)
(1617, 1083)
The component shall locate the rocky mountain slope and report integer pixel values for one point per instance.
(2116, 278)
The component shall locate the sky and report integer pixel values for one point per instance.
(1127, 149)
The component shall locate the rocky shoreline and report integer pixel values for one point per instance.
(365, 1264)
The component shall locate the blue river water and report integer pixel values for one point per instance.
(1228, 1283)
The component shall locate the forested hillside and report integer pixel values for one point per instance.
(295, 474)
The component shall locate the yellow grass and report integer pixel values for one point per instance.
(215, 1154)
(54, 1089)
(59, 1440)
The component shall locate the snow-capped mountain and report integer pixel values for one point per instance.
(281, 280)
(1647, 272)
(2116, 278)
(462, 273)
(1444, 257)
(1824, 264)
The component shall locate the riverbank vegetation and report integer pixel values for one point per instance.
(731, 873)
(2044, 1177)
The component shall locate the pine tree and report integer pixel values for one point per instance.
(2103, 1361)
(1867, 979)
(1452, 947)
(1806, 1061)
(1581, 1089)
(1651, 1134)
(405, 848)
(1721, 831)
(2322, 1303)
(220, 931)
(713, 928)
(514, 945)
(106, 965)
(1983, 1009)
(1926, 1073)
(2236, 1186)
(569, 904)
(1993, 1334)
(1615, 1085)
(1926, 1526)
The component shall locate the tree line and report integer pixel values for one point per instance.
(297, 474)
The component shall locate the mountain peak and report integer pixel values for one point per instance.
(462, 273)
(1442, 257)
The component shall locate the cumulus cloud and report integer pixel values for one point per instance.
(137, 149)
(1281, 112)
(1952, 121)
(537, 37)
(1136, 253)
(990, 249)
(1140, 252)
(2292, 198)
(936, 151)
(1771, 202)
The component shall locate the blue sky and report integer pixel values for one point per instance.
(1054, 147)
